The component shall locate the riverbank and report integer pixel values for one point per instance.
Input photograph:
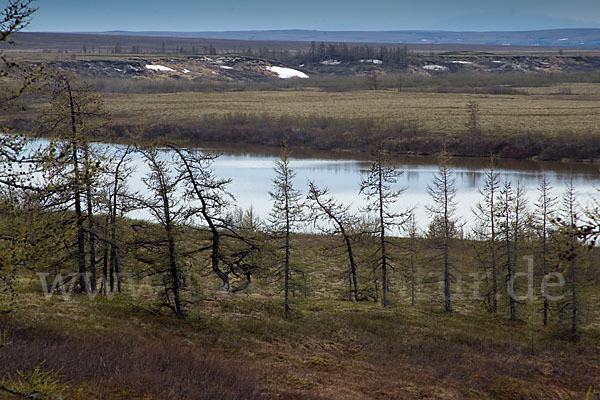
(546, 125)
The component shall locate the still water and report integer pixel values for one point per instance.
(251, 170)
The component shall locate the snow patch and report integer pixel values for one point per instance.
(286, 73)
(186, 71)
(435, 68)
(462, 62)
(159, 68)
(563, 39)
(372, 61)
(331, 62)
(226, 67)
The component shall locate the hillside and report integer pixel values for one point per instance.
(241, 346)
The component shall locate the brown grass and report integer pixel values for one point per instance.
(550, 126)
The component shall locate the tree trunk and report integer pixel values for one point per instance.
(83, 287)
(353, 278)
(174, 270)
(384, 283)
(105, 264)
(545, 263)
(90, 219)
(573, 299)
(114, 257)
(447, 299)
(511, 298)
(412, 271)
(287, 258)
(494, 255)
(105, 271)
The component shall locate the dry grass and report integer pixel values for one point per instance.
(436, 113)
(117, 366)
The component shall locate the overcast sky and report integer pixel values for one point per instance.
(220, 15)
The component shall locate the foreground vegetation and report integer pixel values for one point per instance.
(242, 346)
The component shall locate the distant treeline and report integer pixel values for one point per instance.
(391, 57)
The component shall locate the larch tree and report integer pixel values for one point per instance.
(443, 211)
(286, 215)
(521, 229)
(486, 214)
(75, 115)
(545, 214)
(506, 214)
(378, 187)
(522, 219)
(230, 251)
(568, 221)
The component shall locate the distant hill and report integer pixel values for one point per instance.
(188, 43)
(553, 37)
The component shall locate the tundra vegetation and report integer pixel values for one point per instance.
(202, 300)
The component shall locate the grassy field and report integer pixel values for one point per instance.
(545, 111)
(243, 346)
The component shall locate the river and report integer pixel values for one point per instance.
(251, 170)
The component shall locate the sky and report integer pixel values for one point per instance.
(223, 15)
